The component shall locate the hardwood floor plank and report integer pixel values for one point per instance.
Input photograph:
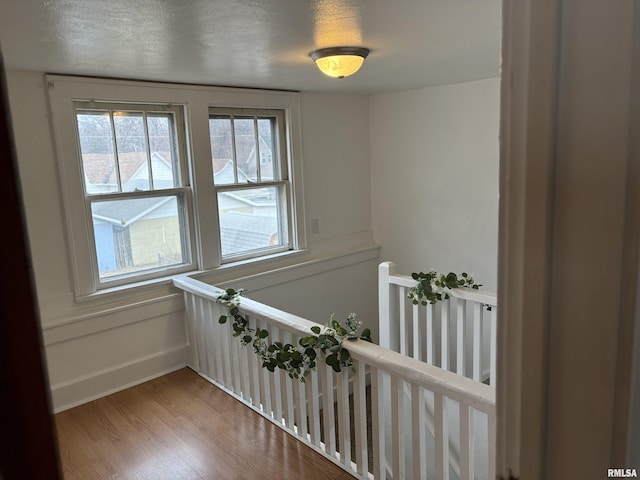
(176, 427)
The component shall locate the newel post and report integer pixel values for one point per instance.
(387, 307)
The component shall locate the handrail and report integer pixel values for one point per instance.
(457, 387)
(291, 322)
(478, 395)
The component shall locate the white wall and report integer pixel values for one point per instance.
(434, 170)
(105, 344)
(335, 131)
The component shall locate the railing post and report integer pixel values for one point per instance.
(387, 307)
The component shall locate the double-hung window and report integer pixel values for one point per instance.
(251, 181)
(160, 179)
(135, 189)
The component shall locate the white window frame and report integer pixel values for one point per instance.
(282, 182)
(182, 190)
(65, 91)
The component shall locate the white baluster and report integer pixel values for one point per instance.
(201, 339)
(360, 416)
(300, 401)
(245, 368)
(466, 443)
(263, 376)
(209, 366)
(314, 408)
(402, 295)
(430, 334)
(491, 419)
(460, 347)
(441, 436)
(477, 343)
(417, 349)
(344, 419)
(397, 419)
(225, 339)
(275, 380)
(377, 420)
(234, 351)
(288, 389)
(444, 327)
(418, 429)
(254, 370)
(328, 414)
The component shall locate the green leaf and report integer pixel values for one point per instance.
(284, 356)
(222, 319)
(344, 356)
(316, 330)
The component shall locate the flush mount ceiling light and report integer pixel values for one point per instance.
(339, 62)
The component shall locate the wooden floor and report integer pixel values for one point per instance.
(179, 426)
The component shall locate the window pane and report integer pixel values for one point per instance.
(132, 151)
(164, 159)
(246, 154)
(96, 147)
(137, 235)
(251, 220)
(268, 151)
(222, 150)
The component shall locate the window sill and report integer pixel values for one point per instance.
(162, 286)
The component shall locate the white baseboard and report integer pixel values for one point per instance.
(91, 387)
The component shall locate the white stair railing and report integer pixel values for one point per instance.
(403, 391)
(458, 334)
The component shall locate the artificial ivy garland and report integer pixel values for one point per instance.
(297, 360)
(433, 287)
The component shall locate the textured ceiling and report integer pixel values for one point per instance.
(259, 43)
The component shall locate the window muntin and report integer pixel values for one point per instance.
(245, 150)
(132, 179)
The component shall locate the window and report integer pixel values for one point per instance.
(252, 194)
(134, 189)
(161, 179)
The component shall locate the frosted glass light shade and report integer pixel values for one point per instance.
(339, 62)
